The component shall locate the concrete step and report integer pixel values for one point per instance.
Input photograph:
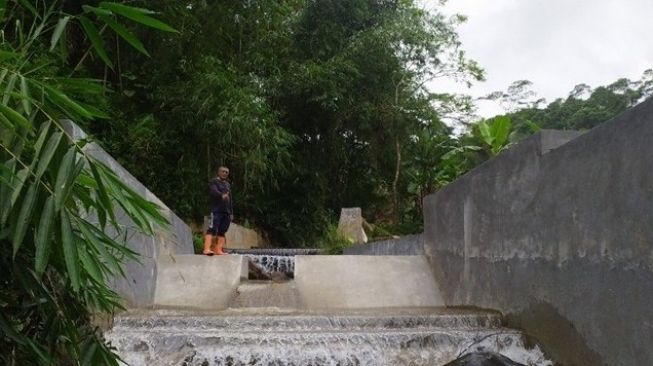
(360, 281)
(305, 321)
(263, 294)
(198, 281)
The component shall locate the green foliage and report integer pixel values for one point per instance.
(198, 243)
(494, 134)
(56, 201)
(583, 109)
(333, 242)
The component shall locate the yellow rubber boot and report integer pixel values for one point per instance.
(207, 245)
(220, 246)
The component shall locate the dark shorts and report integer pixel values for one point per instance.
(218, 223)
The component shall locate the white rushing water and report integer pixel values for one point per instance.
(256, 337)
(273, 263)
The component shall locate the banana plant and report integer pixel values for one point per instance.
(57, 202)
(495, 133)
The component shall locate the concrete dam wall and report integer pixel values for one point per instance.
(138, 286)
(557, 233)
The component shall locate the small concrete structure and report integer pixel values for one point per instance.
(238, 236)
(351, 225)
(198, 281)
(355, 282)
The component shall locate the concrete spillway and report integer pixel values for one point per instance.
(337, 310)
(418, 336)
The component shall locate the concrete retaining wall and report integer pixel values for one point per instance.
(356, 281)
(405, 245)
(138, 286)
(198, 281)
(559, 239)
(239, 237)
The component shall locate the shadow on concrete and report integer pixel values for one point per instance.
(555, 334)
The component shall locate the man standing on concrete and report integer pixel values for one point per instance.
(221, 212)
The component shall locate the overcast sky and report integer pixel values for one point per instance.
(556, 44)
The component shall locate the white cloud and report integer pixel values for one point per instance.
(556, 44)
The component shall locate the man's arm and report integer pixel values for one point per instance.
(214, 190)
(231, 207)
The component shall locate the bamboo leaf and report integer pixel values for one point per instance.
(69, 250)
(120, 9)
(89, 353)
(29, 6)
(47, 153)
(102, 191)
(6, 188)
(15, 117)
(4, 72)
(124, 34)
(11, 84)
(39, 351)
(43, 134)
(58, 30)
(18, 180)
(43, 237)
(94, 111)
(7, 123)
(90, 265)
(96, 41)
(24, 88)
(82, 85)
(24, 217)
(96, 11)
(139, 15)
(111, 262)
(65, 171)
(60, 98)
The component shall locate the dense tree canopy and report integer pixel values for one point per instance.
(313, 105)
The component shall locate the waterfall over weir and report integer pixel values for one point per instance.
(273, 263)
(274, 337)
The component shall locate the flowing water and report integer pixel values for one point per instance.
(274, 336)
(278, 251)
(265, 326)
(273, 263)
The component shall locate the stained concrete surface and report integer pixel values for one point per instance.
(356, 281)
(405, 245)
(198, 281)
(557, 235)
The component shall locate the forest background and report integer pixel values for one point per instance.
(315, 106)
